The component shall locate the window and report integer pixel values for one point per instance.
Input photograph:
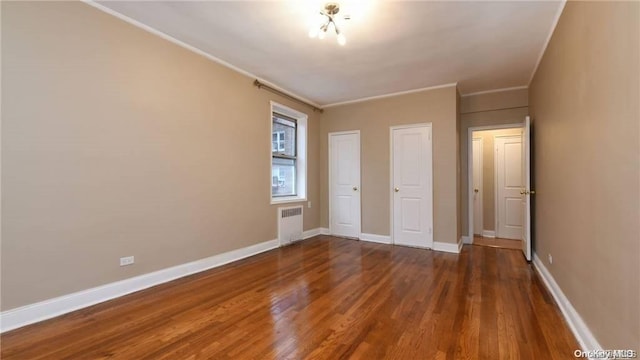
(288, 153)
(277, 141)
(283, 152)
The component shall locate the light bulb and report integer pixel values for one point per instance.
(341, 39)
(321, 35)
(313, 32)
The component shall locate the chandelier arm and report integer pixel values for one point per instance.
(330, 10)
(325, 26)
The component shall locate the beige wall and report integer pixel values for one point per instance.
(495, 100)
(458, 194)
(586, 120)
(489, 109)
(488, 173)
(373, 119)
(116, 142)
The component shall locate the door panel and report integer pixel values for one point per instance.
(412, 184)
(344, 186)
(477, 186)
(513, 212)
(411, 214)
(526, 191)
(509, 184)
(513, 170)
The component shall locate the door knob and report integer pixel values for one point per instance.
(355, 188)
(532, 192)
(522, 192)
(396, 189)
(475, 190)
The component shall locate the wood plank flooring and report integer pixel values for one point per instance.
(323, 298)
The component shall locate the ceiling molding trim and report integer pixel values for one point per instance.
(191, 48)
(496, 90)
(390, 95)
(546, 43)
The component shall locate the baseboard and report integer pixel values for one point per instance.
(580, 330)
(447, 247)
(437, 246)
(32, 313)
(381, 239)
(466, 240)
(488, 233)
(324, 231)
(311, 233)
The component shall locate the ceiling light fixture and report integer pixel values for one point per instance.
(330, 10)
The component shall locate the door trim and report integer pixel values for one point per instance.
(391, 197)
(330, 158)
(481, 185)
(470, 131)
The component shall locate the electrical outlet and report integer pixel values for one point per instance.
(309, 204)
(128, 260)
(550, 259)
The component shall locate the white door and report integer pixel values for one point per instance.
(412, 186)
(477, 186)
(509, 183)
(344, 184)
(526, 191)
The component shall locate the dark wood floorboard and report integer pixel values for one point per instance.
(323, 298)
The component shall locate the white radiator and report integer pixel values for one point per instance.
(289, 224)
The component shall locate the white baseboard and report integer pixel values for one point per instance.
(311, 233)
(324, 231)
(437, 246)
(466, 240)
(447, 247)
(32, 313)
(381, 239)
(488, 233)
(580, 330)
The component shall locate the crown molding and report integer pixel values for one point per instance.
(194, 49)
(390, 95)
(546, 43)
(496, 90)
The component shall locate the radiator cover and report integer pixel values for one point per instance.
(289, 224)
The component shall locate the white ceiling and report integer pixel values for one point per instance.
(391, 46)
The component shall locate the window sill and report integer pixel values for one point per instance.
(288, 199)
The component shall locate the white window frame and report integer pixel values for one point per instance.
(301, 155)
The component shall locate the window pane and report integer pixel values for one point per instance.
(283, 174)
(276, 141)
(284, 137)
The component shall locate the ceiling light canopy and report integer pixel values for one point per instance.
(329, 19)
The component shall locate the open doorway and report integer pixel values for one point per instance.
(495, 183)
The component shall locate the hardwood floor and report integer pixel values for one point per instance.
(324, 298)
(497, 242)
